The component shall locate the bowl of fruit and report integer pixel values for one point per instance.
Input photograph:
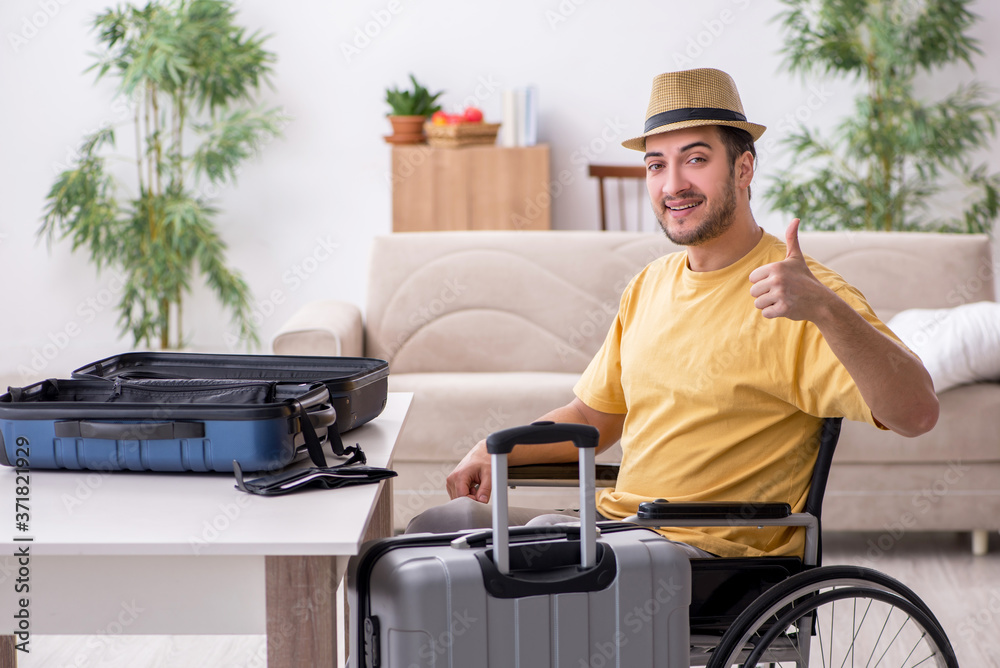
(461, 129)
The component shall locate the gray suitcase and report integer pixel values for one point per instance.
(548, 596)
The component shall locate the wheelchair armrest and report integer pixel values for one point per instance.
(558, 475)
(663, 510)
(733, 514)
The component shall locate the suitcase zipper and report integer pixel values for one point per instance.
(196, 387)
(193, 386)
(116, 391)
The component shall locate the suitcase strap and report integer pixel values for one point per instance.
(313, 445)
(312, 440)
(321, 475)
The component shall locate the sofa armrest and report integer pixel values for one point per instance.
(331, 328)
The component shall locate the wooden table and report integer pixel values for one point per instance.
(149, 553)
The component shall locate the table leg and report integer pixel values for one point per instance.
(302, 610)
(8, 652)
(380, 526)
(302, 601)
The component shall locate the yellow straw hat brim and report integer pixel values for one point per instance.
(693, 98)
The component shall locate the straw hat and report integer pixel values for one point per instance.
(692, 98)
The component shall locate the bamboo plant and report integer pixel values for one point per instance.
(883, 167)
(191, 74)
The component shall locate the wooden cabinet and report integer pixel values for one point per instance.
(470, 188)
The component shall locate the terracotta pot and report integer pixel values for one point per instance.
(407, 130)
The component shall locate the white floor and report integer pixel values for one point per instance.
(145, 652)
(962, 590)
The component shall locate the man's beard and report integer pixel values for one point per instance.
(718, 218)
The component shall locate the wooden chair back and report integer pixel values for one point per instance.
(619, 175)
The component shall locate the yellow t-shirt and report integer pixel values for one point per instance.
(721, 403)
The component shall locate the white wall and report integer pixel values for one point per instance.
(325, 183)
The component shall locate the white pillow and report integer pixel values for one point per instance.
(957, 345)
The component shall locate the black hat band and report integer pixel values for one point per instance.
(691, 114)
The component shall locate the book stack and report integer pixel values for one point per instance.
(519, 125)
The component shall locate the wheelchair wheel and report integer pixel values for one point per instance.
(836, 616)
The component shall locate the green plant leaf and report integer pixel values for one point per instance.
(416, 102)
(886, 163)
(185, 65)
(81, 204)
(232, 139)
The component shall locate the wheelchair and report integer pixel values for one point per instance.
(784, 611)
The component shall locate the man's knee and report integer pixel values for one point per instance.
(551, 519)
(456, 515)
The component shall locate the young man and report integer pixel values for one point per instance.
(723, 359)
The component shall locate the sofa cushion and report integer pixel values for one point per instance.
(451, 412)
(967, 430)
(904, 496)
(499, 301)
(903, 270)
(957, 345)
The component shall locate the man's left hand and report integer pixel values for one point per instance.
(787, 289)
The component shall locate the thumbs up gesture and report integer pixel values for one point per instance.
(787, 289)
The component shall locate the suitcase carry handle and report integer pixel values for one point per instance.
(128, 431)
(324, 417)
(482, 538)
(499, 444)
(316, 397)
(319, 398)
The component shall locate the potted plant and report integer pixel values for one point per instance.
(410, 108)
(897, 154)
(188, 70)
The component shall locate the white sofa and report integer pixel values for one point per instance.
(491, 329)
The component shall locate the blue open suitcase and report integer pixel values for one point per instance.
(189, 412)
(358, 385)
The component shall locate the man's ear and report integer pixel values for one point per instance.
(744, 169)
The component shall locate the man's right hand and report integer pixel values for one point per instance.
(473, 475)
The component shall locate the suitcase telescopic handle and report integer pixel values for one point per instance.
(502, 442)
(499, 444)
